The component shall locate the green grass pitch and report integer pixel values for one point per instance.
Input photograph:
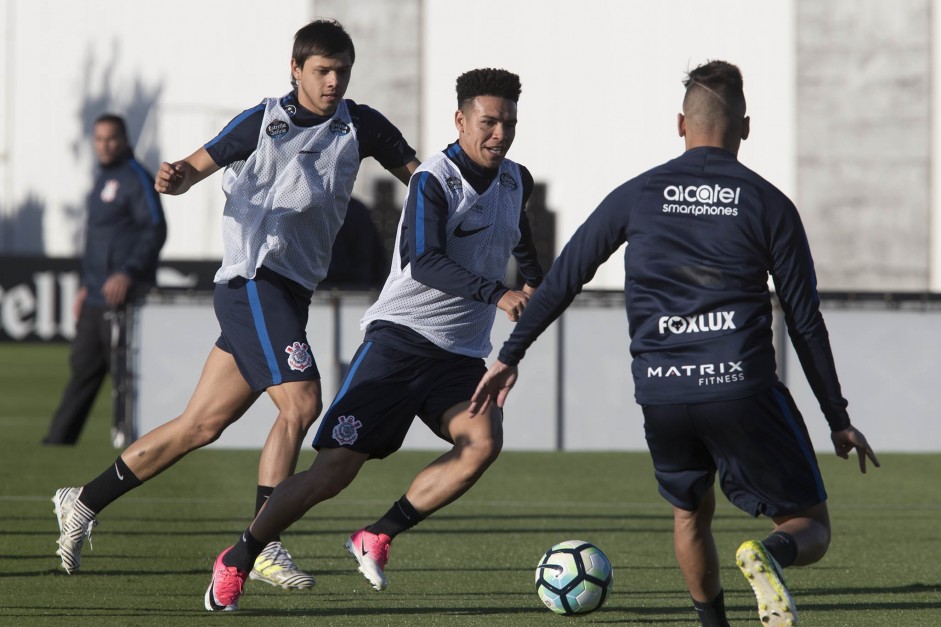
(471, 564)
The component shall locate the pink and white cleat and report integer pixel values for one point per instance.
(226, 586)
(372, 552)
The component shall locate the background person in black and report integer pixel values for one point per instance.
(125, 230)
(359, 260)
(703, 234)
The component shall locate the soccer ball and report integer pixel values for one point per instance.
(573, 577)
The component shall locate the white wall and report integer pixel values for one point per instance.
(601, 91)
(602, 86)
(180, 70)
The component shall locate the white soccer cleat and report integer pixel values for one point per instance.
(775, 605)
(75, 524)
(372, 552)
(275, 566)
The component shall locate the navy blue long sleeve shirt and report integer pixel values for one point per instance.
(430, 262)
(125, 229)
(377, 136)
(703, 234)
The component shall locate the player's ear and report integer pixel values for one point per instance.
(681, 124)
(296, 70)
(459, 121)
(746, 127)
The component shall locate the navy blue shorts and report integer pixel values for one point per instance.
(264, 322)
(383, 392)
(759, 446)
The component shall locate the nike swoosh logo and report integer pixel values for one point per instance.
(460, 232)
(362, 547)
(118, 472)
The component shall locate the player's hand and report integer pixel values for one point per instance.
(513, 302)
(494, 386)
(116, 288)
(170, 178)
(851, 438)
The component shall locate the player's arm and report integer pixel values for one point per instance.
(236, 142)
(381, 139)
(591, 245)
(792, 269)
(178, 177)
(425, 246)
(525, 253)
(795, 281)
(404, 172)
(594, 241)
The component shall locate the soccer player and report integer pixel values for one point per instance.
(426, 337)
(291, 165)
(703, 234)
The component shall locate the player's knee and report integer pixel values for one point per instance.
(328, 488)
(310, 410)
(480, 451)
(302, 411)
(199, 433)
(822, 543)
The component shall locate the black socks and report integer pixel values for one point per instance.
(109, 486)
(243, 555)
(782, 547)
(261, 497)
(712, 613)
(400, 517)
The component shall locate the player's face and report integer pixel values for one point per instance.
(487, 127)
(322, 82)
(109, 143)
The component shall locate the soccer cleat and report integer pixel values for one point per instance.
(775, 605)
(75, 524)
(372, 553)
(275, 566)
(226, 586)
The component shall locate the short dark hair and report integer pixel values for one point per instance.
(487, 82)
(723, 81)
(112, 118)
(322, 38)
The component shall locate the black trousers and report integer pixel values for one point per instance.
(99, 347)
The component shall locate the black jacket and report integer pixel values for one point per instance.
(125, 229)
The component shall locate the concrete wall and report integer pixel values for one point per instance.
(575, 390)
(864, 150)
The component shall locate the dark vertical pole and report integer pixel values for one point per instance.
(560, 384)
(338, 366)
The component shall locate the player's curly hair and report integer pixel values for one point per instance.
(722, 80)
(322, 38)
(487, 82)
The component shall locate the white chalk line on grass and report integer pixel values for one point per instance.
(557, 505)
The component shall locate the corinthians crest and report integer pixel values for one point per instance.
(347, 430)
(299, 358)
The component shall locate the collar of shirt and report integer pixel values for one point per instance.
(301, 116)
(478, 176)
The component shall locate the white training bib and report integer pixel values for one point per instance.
(286, 202)
(482, 231)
